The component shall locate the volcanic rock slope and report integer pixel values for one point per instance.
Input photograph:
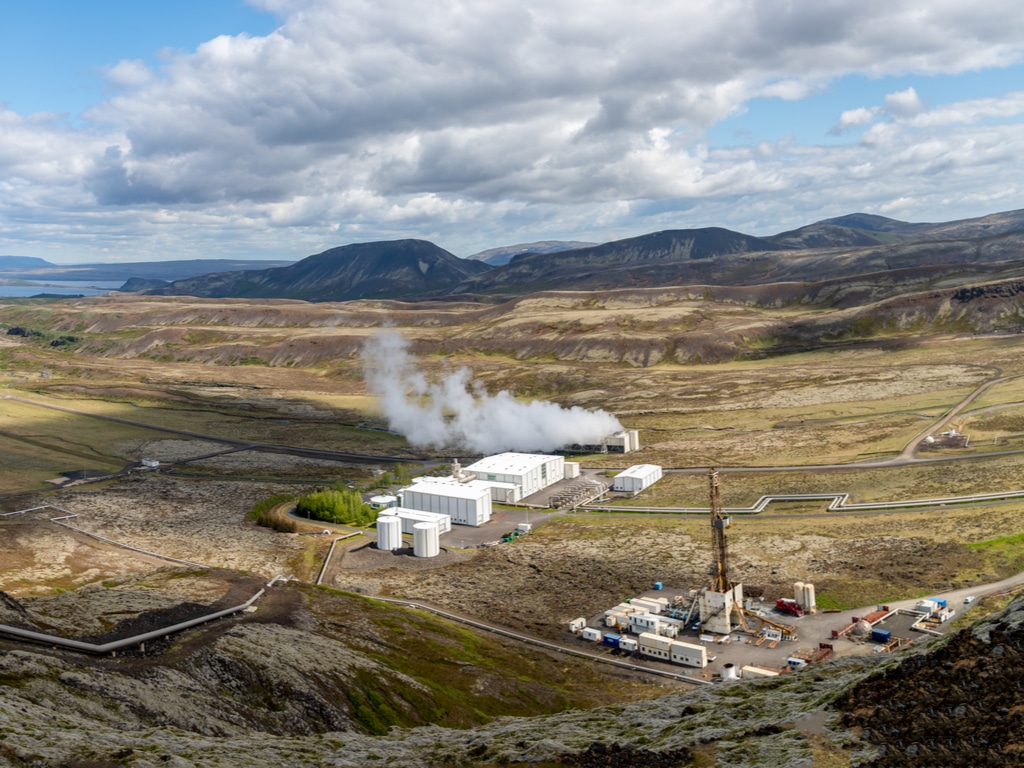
(276, 692)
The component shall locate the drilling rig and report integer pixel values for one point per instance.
(722, 602)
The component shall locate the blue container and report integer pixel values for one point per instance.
(657, 585)
(880, 635)
(612, 640)
(941, 603)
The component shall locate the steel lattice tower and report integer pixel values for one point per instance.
(720, 569)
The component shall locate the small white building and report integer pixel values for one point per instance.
(623, 442)
(532, 472)
(383, 502)
(462, 503)
(637, 478)
(410, 517)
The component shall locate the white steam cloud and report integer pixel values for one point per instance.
(458, 412)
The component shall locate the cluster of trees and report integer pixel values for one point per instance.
(336, 505)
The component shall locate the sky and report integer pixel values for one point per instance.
(279, 128)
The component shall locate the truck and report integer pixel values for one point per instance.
(791, 607)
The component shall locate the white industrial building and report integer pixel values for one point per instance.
(623, 442)
(532, 472)
(637, 478)
(508, 493)
(410, 517)
(462, 503)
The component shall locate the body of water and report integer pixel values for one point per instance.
(62, 288)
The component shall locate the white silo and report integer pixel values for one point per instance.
(389, 533)
(810, 597)
(729, 672)
(426, 540)
(798, 594)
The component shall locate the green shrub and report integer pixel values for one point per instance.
(262, 514)
(337, 505)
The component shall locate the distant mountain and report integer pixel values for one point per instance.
(677, 255)
(831, 249)
(497, 257)
(397, 270)
(148, 270)
(868, 229)
(22, 262)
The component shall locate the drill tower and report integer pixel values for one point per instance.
(719, 524)
(723, 600)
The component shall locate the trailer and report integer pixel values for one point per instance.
(789, 607)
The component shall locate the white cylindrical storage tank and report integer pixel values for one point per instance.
(811, 598)
(798, 594)
(729, 672)
(426, 540)
(389, 532)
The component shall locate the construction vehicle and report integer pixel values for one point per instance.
(787, 606)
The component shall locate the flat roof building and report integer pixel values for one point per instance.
(532, 472)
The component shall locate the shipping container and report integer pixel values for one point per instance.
(654, 606)
(612, 640)
(880, 636)
(594, 635)
(688, 654)
(628, 644)
(752, 671)
(650, 640)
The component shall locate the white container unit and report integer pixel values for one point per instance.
(628, 644)
(410, 517)
(649, 604)
(577, 625)
(572, 470)
(426, 540)
(644, 622)
(463, 503)
(655, 646)
(591, 634)
(389, 533)
(751, 671)
(636, 478)
(532, 472)
(688, 654)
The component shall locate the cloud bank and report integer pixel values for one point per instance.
(491, 123)
(456, 413)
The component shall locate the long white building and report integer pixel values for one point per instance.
(532, 472)
(464, 503)
(410, 517)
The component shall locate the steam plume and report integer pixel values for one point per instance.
(457, 412)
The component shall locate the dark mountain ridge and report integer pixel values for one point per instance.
(835, 248)
(395, 269)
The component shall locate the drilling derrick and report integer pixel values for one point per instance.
(720, 568)
(723, 600)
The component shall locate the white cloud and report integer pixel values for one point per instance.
(505, 120)
(903, 103)
(854, 118)
(129, 73)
